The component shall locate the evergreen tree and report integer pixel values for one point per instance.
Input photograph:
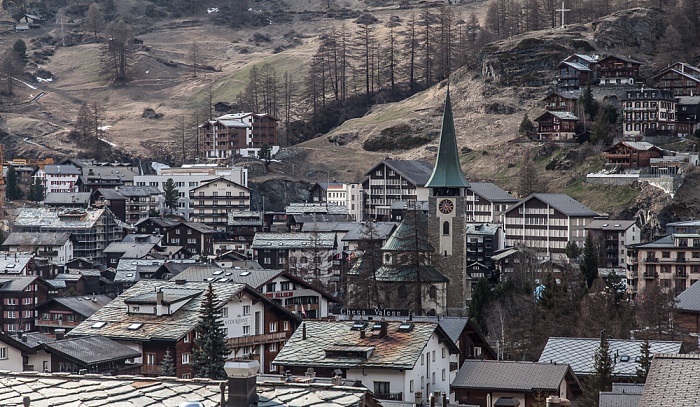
(603, 376)
(36, 191)
(20, 48)
(590, 105)
(644, 361)
(480, 299)
(172, 195)
(572, 250)
(589, 264)
(526, 127)
(615, 286)
(265, 154)
(168, 364)
(13, 191)
(211, 349)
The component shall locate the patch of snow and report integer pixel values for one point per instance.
(213, 10)
(148, 71)
(104, 128)
(25, 83)
(108, 142)
(38, 79)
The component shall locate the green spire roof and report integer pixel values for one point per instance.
(447, 172)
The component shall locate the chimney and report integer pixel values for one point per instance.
(241, 383)
(60, 333)
(303, 331)
(362, 334)
(159, 296)
(553, 401)
(310, 374)
(383, 331)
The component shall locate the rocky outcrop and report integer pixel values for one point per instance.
(278, 193)
(637, 28)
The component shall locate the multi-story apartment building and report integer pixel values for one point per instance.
(486, 202)
(195, 238)
(483, 241)
(241, 229)
(92, 230)
(646, 109)
(344, 194)
(391, 181)
(212, 200)
(58, 178)
(155, 317)
(616, 70)
(238, 134)
(672, 261)
(55, 246)
(546, 223)
(688, 226)
(20, 297)
(680, 79)
(611, 236)
(688, 114)
(191, 176)
(141, 202)
(307, 255)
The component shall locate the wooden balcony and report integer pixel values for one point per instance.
(56, 324)
(257, 339)
(151, 370)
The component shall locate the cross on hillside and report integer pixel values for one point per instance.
(562, 10)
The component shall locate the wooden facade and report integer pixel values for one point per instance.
(632, 154)
(562, 101)
(680, 79)
(556, 126)
(573, 75)
(615, 70)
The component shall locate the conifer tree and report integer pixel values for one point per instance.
(13, 190)
(36, 191)
(168, 364)
(603, 376)
(172, 195)
(644, 361)
(211, 349)
(526, 127)
(589, 264)
(480, 299)
(572, 251)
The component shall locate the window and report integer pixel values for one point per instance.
(271, 287)
(273, 326)
(433, 375)
(666, 255)
(446, 228)
(11, 301)
(433, 361)
(382, 388)
(224, 312)
(246, 310)
(185, 358)
(422, 362)
(443, 353)
(187, 337)
(285, 325)
(3, 353)
(150, 358)
(443, 375)
(284, 286)
(273, 347)
(186, 376)
(410, 386)
(246, 329)
(27, 301)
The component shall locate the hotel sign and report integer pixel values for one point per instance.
(375, 312)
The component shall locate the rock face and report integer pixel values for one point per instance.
(531, 59)
(278, 193)
(637, 28)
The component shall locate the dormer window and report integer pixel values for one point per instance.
(387, 258)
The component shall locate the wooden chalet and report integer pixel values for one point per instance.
(562, 101)
(615, 70)
(680, 79)
(556, 126)
(573, 75)
(631, 154)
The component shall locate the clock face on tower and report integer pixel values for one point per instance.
(446, 206)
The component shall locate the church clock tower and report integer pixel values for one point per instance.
(447, 214)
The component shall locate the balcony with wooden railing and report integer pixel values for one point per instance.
(253, 340)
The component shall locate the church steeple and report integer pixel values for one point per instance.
(447, 172)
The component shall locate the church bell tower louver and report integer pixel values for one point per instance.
(447, 214)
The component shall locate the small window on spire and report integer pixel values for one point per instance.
(446, 228)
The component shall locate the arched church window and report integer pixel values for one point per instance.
(446, 228)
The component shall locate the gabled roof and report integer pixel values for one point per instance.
(370, 230)
(328, 226)
(482, 229)
(576, 66)
(410, 234)
(138, 191)
(664, 242)
(622, 395)
(58, 198)
(61, 169)
(220, 179)
(91, 350)
(318, 208)
(320, 240)
(85, 306)
(447, 172)
(561, 202)
(399, 350)
(37, 239)
(491, 192)
(16, 284)
(165, 327)
(130, 250)
(636, 145)
(610, 225)
(624, 59)
(110, 391)
(689, 299)
(162, 222)
(578, 353)
(415, 171)
(560, 115)
(673, 380)
(198, 226)
(111, 194)
(527, 377)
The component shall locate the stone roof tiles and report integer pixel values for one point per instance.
(510, 376)
(673, 380)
